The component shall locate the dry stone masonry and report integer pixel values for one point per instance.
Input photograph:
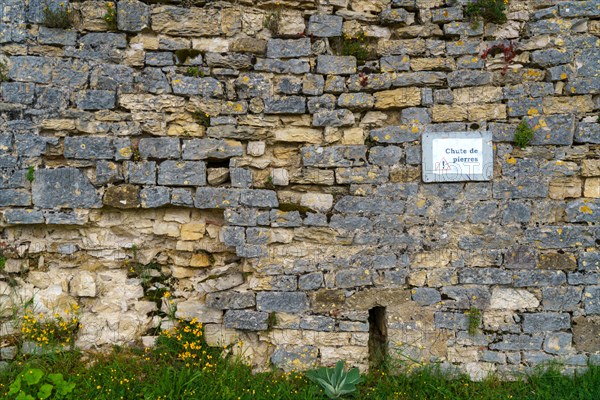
(258, 165)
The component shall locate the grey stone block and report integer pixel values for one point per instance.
(15, 197)
(524, 106)
(388, 155)
(285, 105)
(259, 198)
(469, 78)
(546, 322)
(334, 118)
(281, 219)
(555, 130)
(336, 65)
(88, 148)
(317, 323)
(230, 300)
(518, 342)
(323, 25)
(31, 69)
(63, 37)
(288, 48)
(159, 59)
(356, 101)
(182, 173)
(142, 173)
(201, 149)
(516, 213)
(321, 103)
(589, 261)
(108, 172)
(233, 235)
(395, 134)
(159, 148)
(352, 278)
(426, 296)
(19, 216)
(451, 320)
(289, 358)
(182, 197)
(572, 9)
(550, 57)
(241, 216)
(216, 198)
(132, 15)
(485, 276)
(63, 188)
(311, 281)
(292, 302)
(539, 278)
(591, 299)
(192, 86)
(95, 100)
(561, 237)
(582, 278)
(246, 320)
(561, 298)
(33, 145)
(294, 66)
(155, 196)
(583, 210)
(18, 92)
(369, 205)
(446, 14)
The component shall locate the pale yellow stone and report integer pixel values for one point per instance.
(592, 187)
(431, 64)
(563, 188)
(200, 260)
(92, 16)
(448, 113)
(148, 42)
(59, 124)
(477, 94)
(291, 22)
(353, 136)
(482, 112)
(231, 21)
(193, 231)
(166, 228)
(215, 45)
(298, 135)
(398, 98)
(186, 22)
(590, 168)
(570, 104)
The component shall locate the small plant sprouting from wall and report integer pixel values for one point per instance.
(272, 20)
(508, 50)
(3, 72)
(202, 118)
(523, 135)
(58, 330)
(186, 54)
(474, 316)
(489, 10)
(194, 71)
(30, 174)
(353, 45)
(110, 17)
(58, 16)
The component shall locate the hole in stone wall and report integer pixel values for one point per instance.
(377, 336)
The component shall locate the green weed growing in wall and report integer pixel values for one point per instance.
(110, 17)
(3, 72)
(30, 174)
(57, 16)
(488, 10)
(523, 134)
(474, 315)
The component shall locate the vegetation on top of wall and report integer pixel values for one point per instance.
(523, 135)
(489, 10)
(111, 16)
(58, 16)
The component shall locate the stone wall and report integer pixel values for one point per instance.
(224, 160)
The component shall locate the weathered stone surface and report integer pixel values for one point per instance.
(193, 21)
(586, 331)
(88, 148)
(63, 188)
(205, 87)
(288, 48)
(336, 65)
(201, 149)
(182, 173)
(398, 98)
(132, 15)
(246, 320)
(285, 105)
(513, 299)
(561, 299)
(159, 148)
(122, 196)
(96, 100)
(23, 216)
(154, 196)
(292, 302)
(333, 118)
(322, 25)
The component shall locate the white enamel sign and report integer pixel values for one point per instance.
(457, 156)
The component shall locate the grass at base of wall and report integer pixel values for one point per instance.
(169, 372)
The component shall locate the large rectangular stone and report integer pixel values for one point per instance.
(398, 98)
(246, 320)
(336, 65)
(292, 302)
(179, 21)
(63, 188)
(200, 149)
(288, 48)
(95, 99)
(88, 148)
(546, 322)
(285, 105)
(159, 148)
(216, 198)
(182, 173)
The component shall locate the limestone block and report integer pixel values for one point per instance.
(513, 299)
(398, 98)
(83, 284)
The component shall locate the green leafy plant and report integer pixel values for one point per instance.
(30, 173)
(474, 316)
(3, 72)
(202, 118)
(110, 17)
(186, 54)
(33, 383)
(194, 71)
(336, 382)
(271, 21)
(523, 135)
(488, 10)
(353, 45)
(57, 16)
(2, 262)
